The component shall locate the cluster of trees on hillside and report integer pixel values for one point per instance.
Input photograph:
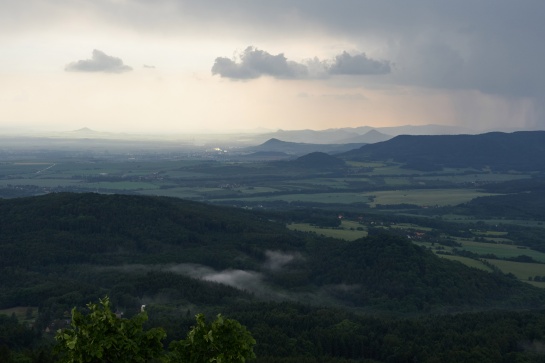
(64, 249)
(526, 205)
(495, 150)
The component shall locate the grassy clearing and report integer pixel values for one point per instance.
(521, 270)
(23, 313)
(185, 174)
(390, 170)
(410, 226)
(347, 231)
(174, 193)
(501, 250)
(490, 233)
(361, 164)
(49, 183)
(398, 181)
(181, 192)
(124, 185)
(518, 222)
(467, 261)
(256, 190)
(426, 197)
(342, 198)
(473, 178)
(321, 182)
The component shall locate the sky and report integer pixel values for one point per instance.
(163, 66)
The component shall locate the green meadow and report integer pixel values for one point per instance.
(521, 270)
(502, 250)
(347, 231)
(467, 261)
(425, 197)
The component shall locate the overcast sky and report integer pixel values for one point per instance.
(197, 65)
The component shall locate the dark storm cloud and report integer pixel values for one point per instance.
(100, 62)
(254, 63)
(494, 47)
(491, 46)
(358, 64)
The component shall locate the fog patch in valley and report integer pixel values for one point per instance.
(244, 280)
(254, 282)
(277, 260)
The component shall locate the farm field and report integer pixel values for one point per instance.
(409, 226)
(425, 197)
(340, 198)
(125, 185)
(347, 231)
(422, 194)
(40, 182)
(521, 270)
(184, 193)
(472, 178)
(501, 250)
(467, 261)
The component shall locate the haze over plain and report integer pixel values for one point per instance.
(178, 66)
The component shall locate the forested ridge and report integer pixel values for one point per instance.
(523, 150)
(64, 250)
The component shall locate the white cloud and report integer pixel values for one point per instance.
(100, 62)
(276, 260)
(462, 48)
(254, 63)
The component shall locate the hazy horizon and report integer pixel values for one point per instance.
(175, 66)
(431, 129)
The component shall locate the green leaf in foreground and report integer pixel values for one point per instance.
(101, 336)
(222, 341)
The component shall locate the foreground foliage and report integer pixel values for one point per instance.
(103, 337)
(222, 341)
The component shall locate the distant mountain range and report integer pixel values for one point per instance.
(363, 134)
(523, 150)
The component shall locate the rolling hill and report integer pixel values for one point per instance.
(304, 298)
(365, 134)
(299, 148)
(523, 151)
(318, 160)
(65, 248)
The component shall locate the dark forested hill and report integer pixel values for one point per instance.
(68, 247)
(303, 297)
(299, 148)
(318, 160)
(498, 151)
